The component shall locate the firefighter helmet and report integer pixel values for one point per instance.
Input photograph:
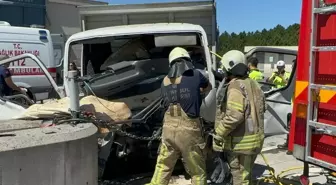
(234, 62)
(179, 62)
(177, 53)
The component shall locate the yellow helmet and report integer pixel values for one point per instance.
(178, 52)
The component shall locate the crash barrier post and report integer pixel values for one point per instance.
(74, 93)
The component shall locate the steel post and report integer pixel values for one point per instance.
(73, 93)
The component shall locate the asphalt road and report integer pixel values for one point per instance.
(278, 159)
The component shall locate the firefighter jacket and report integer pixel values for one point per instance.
(239, 123)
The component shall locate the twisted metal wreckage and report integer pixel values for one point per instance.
(129, 126)
(126, 137)
(124, 132)
(122, 136)
(128, 134)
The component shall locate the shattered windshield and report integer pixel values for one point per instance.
(102, 54)
(118, 67)
(133, 49)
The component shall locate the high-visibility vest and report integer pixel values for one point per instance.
(278, 81)
(255, 74)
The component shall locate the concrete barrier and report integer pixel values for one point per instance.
(59, 155)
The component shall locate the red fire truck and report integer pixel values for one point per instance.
(312, 137)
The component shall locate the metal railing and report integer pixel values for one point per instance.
(59, 91)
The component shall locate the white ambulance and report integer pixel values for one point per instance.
(25, 73)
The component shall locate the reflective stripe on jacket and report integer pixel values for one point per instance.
(240, 143)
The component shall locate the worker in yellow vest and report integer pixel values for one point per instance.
(239, 126)
(254, 72)
(280, 77)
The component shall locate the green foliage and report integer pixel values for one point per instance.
(277, 36)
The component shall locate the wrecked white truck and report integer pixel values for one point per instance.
(127, 63)
(133, 74)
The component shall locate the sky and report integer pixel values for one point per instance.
(246, 15)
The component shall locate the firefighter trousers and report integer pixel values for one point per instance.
(181, 137)
(241, 168)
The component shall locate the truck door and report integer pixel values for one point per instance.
(278, 100)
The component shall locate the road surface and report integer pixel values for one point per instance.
(278, 159)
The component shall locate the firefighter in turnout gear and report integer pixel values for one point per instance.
(182, 134)
(239, 128)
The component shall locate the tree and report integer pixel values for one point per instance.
(277, 36)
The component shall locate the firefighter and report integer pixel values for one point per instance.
(239, 128)
(279, 78)
(182, 134)
(254, 72)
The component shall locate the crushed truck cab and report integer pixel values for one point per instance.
(127, 64)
